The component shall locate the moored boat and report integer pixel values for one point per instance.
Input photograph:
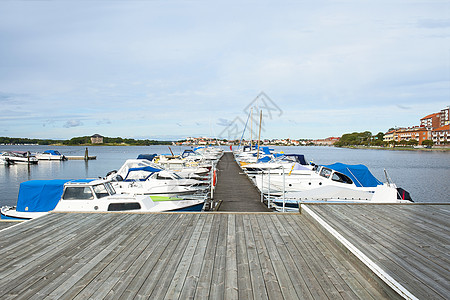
(19, 157)
(38, 197)
(50, 155)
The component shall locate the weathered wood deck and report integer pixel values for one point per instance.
(177, 256)
(410, 243)
(234, 189)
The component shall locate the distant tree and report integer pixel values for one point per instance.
(427, 143)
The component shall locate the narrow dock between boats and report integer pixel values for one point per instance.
(234, 191)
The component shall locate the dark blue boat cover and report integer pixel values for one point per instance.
(40, 195)
(52, 152)
(360, 174)
(150, 157)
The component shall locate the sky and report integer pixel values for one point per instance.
(168, 70)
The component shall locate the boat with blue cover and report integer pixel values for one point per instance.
(50, 155)
(336, 183)
(39, 197)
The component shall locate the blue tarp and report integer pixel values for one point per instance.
(52, 152)
(40, 195)
(360, 174)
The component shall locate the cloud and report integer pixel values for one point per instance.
(72, 123)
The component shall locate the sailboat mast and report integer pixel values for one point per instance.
(251, 128)
(259, 136)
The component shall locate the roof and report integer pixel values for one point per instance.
(97, 136)
(430, 116)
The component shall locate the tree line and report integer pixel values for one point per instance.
(82, 140)
(367, 139)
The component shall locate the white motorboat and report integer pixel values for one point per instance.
(50, 155)
(334, 183)
(19, 157)
(140, 176)
(38, 197)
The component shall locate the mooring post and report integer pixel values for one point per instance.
(86, 154)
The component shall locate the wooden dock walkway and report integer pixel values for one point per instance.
(231, 255)
(177, 256)
(234, 189)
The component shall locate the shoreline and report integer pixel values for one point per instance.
(446, 149)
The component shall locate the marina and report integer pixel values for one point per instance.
(240, 249)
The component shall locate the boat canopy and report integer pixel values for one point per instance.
(140, 173)
(40, 195)
(300, 158)
(359, 174)
(52, 152)
(149, 157)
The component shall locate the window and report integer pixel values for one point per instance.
(325, 172)
(100, 191)
(78, 193)
(341, 178)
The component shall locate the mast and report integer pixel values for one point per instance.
(251, 128)
(259, 136)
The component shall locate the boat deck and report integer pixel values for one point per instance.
(234, 190)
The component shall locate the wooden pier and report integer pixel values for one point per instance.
(234, 190)
(231, 255)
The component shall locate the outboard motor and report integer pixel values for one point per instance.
(403, 195)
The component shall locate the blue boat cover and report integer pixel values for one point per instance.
(145, 169)
(40, 195)
(150, 157)
(264, 159)
(299, 157)
(52, 152)
(360, 174)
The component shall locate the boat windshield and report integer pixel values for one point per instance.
(325, 172)
(78, 193)
(100, 191)
(341, 178)
(110, 188)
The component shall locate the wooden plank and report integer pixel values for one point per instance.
(231, 283)
(270, 279)
(218, 275)
(179, 278)
(142, 276)
(173, 261)
(86, 260)
(193, 275)
(269, 234)
(256, 273)
(111, 269)
(243, 268)
(25, 274)
(205, 278)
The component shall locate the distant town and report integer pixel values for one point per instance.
(432, 130)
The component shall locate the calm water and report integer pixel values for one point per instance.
(426, 175)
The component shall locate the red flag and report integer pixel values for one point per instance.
(231, 147)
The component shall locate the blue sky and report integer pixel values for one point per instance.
(172, 69)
